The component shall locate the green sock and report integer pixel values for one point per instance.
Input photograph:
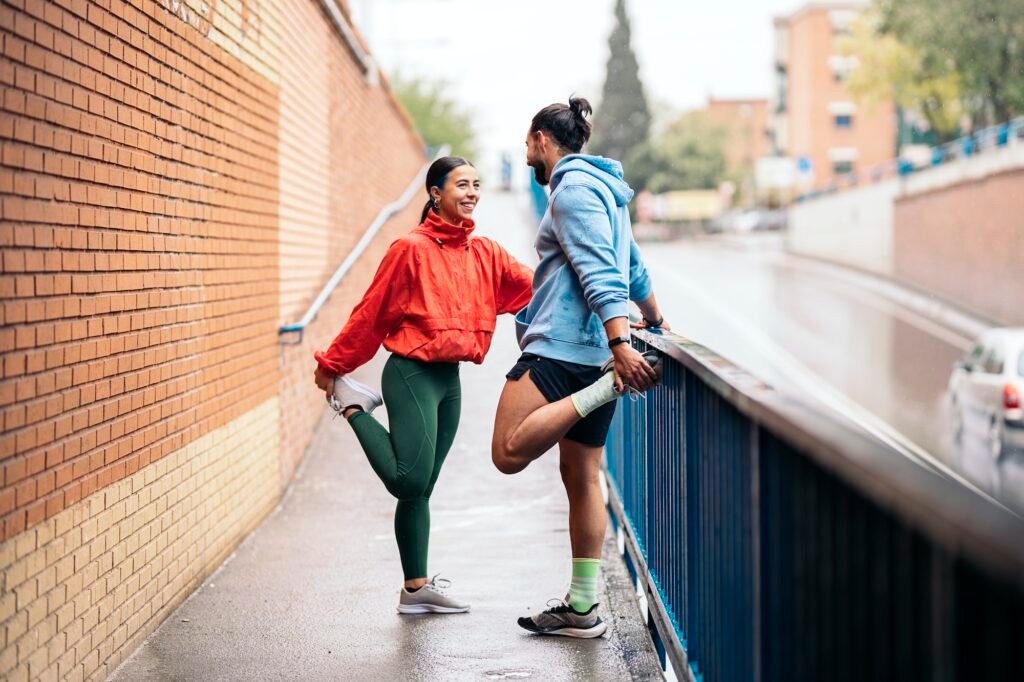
(583, 588)
(599, 393)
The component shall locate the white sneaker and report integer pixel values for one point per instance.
(350, 393)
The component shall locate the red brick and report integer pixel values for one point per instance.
(54, 504)
(15, 312)
(15, 417)
(35, 512)
(24, 337)
(15, 523)
(6, 501)
(24, 286)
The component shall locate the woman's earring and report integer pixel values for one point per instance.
(436, 202)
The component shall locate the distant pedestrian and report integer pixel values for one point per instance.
(433, 303)
(506, 172)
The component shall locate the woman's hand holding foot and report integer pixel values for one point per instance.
(324, 382)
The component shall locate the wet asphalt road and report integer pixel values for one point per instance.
(820, 336)
(311, 594)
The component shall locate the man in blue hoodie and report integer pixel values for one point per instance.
(577, 359)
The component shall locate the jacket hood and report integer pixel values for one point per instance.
(605, 170)
(443, 232)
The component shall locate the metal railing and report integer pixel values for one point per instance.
(538, 197)
(983, 141)
(774, 542)
(348, 35)
(383, 216)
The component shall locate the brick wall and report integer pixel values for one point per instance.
(341, 162)
(177, 180)
(964, 241)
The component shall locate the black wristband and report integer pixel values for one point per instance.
(617, 340)
(661, 321)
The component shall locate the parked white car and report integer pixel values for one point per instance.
(986, 390)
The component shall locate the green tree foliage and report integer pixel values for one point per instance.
(889, 70)
(623, 121)
(688, 155)
(980, 40)
(438, 119)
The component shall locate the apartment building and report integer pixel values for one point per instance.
(814, 119)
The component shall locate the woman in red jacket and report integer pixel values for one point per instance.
(433, 303)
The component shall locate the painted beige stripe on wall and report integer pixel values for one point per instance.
(82, 590)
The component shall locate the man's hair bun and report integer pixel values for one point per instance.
(580, 107)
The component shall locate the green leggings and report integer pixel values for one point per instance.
(423, 400)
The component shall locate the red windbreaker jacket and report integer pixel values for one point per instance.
(435, 297)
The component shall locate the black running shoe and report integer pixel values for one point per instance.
(562, 619)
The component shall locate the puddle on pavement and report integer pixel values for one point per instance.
(508, 674)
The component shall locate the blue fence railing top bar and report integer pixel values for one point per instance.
(951, 514)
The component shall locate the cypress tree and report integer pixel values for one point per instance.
(622, 121)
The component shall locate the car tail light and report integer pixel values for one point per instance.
(1011, 397)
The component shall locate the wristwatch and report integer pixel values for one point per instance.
(657, 323)
(617, 340)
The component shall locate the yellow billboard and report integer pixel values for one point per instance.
(698, 204)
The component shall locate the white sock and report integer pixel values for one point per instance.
(599, 393)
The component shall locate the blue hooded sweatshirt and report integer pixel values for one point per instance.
(590, 266)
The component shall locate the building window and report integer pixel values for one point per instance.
(842, 21)
(842, 66)
(843, 120)
(781, 89)
(842, 167)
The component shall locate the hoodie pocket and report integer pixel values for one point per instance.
(521, 326)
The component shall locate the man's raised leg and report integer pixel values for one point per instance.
(527, 425)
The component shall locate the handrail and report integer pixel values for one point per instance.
(383, 216)
(768, 536)
(341, 22)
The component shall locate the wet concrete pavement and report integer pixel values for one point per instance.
(821, 334)
(311, 594)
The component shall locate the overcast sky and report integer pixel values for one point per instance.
(505, 60)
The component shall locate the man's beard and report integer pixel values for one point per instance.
(540, 172)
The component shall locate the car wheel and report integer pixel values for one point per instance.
(995, 439)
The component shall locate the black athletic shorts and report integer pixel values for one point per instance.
(557, 379)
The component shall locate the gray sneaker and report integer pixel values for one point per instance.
(350, 393)
(431, 598)
(562, 619)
